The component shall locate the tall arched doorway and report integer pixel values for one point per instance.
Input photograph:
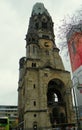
(55, 102)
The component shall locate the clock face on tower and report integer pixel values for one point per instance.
(46, 44)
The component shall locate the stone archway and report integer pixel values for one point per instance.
(55, 102)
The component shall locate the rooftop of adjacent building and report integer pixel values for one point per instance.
(8, 107)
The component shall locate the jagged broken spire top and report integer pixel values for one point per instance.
(39, 8)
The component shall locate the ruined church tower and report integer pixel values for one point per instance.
(44, 96)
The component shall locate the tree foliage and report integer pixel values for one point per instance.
(67, 23)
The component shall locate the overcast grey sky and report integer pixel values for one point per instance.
(14, 19)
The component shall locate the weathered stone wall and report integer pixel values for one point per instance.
(42, 66)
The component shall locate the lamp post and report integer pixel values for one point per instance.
(76, 108)
(76, 85)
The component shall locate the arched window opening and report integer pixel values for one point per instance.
(56, 102)
(54, 95)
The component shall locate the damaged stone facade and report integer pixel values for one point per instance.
(44, 91)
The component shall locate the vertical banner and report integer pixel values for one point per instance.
(75, 50)
(74, 41)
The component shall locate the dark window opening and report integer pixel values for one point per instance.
(33, 64)
(34, 85)
(34, 103)
(34, 115)
(54, 95)
(36, 25)
(44, 25)
(45, 36)
(49, 67)
(29, 39)
(33, 39)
